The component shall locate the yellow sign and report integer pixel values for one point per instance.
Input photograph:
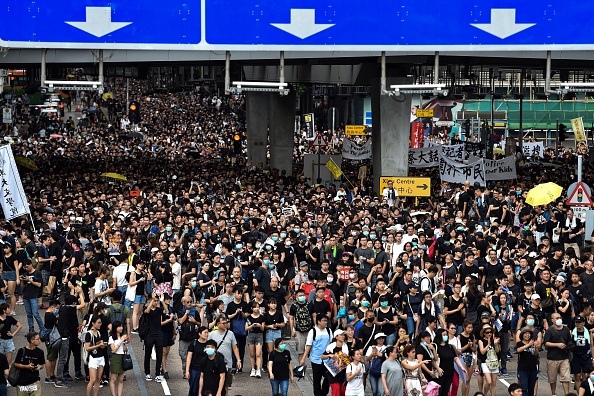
(425, 113)
(362, 172)
(577, 124)
(408, 186)
(354, 130)
(333, 168)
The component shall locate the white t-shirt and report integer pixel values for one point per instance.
(176, 272)
(355, 386)
(119, 274)
(120, 350)
(100, 287)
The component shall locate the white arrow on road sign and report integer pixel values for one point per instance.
(99, 22)
(303, 23)
(503, 23)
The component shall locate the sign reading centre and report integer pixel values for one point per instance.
(408, 186)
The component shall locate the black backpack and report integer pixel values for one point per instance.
(143, 325)
(177, 303)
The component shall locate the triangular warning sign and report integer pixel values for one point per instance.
(580, 196)
(320, 141)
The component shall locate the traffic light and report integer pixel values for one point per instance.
(134, 112)
(237, 143)
(562, 131)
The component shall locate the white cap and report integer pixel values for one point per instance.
(378, 335)
(338, 332)
(535, 297)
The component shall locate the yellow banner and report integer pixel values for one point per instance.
(577, 124)
(425, 113)
(354, 130)
(333, 168)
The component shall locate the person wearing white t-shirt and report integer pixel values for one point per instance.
(354, 375)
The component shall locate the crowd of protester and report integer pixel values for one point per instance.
(208, 258)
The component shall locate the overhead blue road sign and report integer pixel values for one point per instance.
(99, 23)
(306, 25)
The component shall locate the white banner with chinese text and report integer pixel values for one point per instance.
(12, 196)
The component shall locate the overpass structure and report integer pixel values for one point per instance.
(393, 48)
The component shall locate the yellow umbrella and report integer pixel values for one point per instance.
(113, 175)
(26, 162)
(498, 150)
(543, 194)
(107, 95)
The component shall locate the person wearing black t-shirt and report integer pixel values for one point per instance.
(279, 367)
(154, 337)
(195, 356)
(30, 361)
(212, 371)
(527, 362)
(237, 310)
(581, 364)
(556, 339)
(455, 309)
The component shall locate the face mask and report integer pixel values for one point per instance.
(365, 303)
(592, 378)
(194, 284)
(370, 320)
(288, 243)
(283, 235)
(266, 261)
(258, 246)
(365, 233)
(351, 317)
(282, 347)
(559, 322)
(209, 351)
(297, 230)
(274, 239)
(168, 229)
(57, 311)
(352, 276)
(329, 279)
(384, 303)
(268, 247)
(238, 246)
(372, 236)
(530, 322)
(246, 218)
(384, 239)
(425, 343)
(353, 233)
(445, 338)
(271, 266)
(185, 231)
(301, 299)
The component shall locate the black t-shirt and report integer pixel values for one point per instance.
(451, 304)
(9, 263)
(6, 326)
(251, 320)
(586, 386)
(154, 321)
(446, 357)
(211, 373)
(386, 328)
(367, 333)
(277, 317)
(50, 320)
(464, 341)
(67, 321)
(280, 364)
(3, 366)
(93, 339)
(30, 291)
(422, 350)
(233, 306)
(26, 356)
(582, 346)
(197, 349)
(557, 336)
(527, 360)
(320, 307)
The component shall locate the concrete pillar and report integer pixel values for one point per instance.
(282, 125)
(43, 66)
(257, 126)
(391, 132)
(101, 66)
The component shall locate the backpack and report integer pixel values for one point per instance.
(118, 315)
(177, 303)
(375, 367)
(145, 254)
(315, 333)
(187, 331)
(143, 326)
(492, 361)
(84, 330)
(303, 320)
(85, 353)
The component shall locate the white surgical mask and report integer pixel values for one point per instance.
(559, 322)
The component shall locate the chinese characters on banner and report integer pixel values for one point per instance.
(417, 134)
(533, 148)
(13, 199)
(455, 172)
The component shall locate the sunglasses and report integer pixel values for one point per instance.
(488, 332)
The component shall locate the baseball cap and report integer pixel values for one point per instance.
(578, 319)
(338, 332)
(485, 315)
(378, 335)
(560, 279)
(303, 264)
(535, 297)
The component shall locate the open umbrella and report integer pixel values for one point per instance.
(56, 136)
(132, 135)
(113, 175)
(26, 162)
(498, 150)
(543, 194)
